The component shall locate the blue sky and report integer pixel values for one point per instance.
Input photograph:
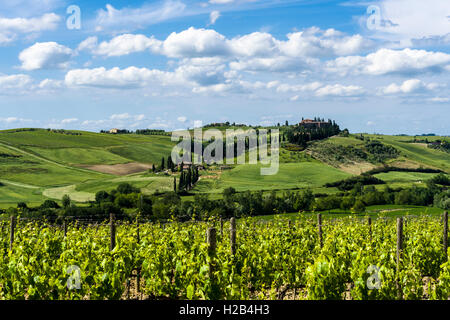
(375, 66)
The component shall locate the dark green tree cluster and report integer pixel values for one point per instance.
(301, 135)
(188, 178)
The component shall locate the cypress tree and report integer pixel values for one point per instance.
(181, 184)
(188, 178)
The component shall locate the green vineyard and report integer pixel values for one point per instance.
(306, 258)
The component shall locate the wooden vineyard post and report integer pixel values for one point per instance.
(369, 222)
(399, 251)
(11, 233)
(445, 237)
(212, 241)
(319, 223)
(233, 235)
(112, 229)
(138, 269)
(221, 228)
(65, 228)
(399, 240)
(138, 236)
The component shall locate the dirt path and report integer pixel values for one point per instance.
(18, 184)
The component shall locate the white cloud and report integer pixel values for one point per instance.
(404, 20)
(130, 77)
(317, 42)
(339, 90)
(386, 61)
(195, 43)
(255, 51)
(10, 28)
(121, 116)
(45, 55)
(213, 16)
(9, 120)
(70, 120)
(186, 75)
(139, 117)
(221, 1)
(313, 86)
(120, 45)
(16, 81)
(28, 8)
(259, 44)
(182, 119)
(439, 99)
(409, 86)
(135, 18)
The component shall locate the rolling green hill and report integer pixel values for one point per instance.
(36, 164)
(54, 163)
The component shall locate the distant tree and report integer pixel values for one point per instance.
(287, 123)
(101, 196)
(358, 207)
(126, 188)
(153, 168)
(49, 204)
(162, 163)
(170, 164)
(181, 184)
(189, 178)
(66, 201)
(22, 205)
(227, 192)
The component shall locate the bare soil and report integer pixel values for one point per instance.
(122, 169)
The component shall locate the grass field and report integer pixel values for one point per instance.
(416, 152)
(73, 156)
(289, 176)
(394, 176)
(147, 184)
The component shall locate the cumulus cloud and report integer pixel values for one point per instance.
(339, 90)
(10, 28)
(254, 51)
(406, 20)
(16, 81)
(195, 43)
(388, 61)
(128, 78)
(45, 55)
(410, 86)
(317, 42)
(120, 45)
